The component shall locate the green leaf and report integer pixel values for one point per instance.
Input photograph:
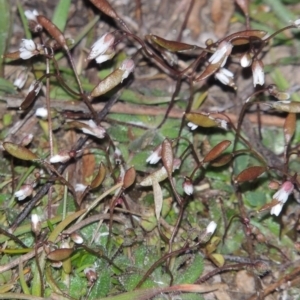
(5, 85)
(61, 12)
(4, 30)
(102, 285)
(192, 273)
(19, 151)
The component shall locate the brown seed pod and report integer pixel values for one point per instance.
(99, 177)
(53, 30)
(106, 8)
(171, 46)
(216, 151)
(250, 173)
(60, 254)
(289, 127)
(129, 178)
(243, 37)
(167, 156)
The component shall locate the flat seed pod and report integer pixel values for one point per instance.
(99, 177)
(53, 30)
(221, 160)
(201, 120)
(167, 155)
(210, 70)
(243, 37)
(289, 127)
(108, 83)
(287, 106)
(129, 177)
(60, 254)
(171, 46)
(216, 151)
(106, 8)
(250, 173)
(19, 151)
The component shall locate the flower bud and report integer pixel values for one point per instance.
(25, 191)
(258, 73)
(221, 54)
(225, 77)
(93, 129)
(210, 229)
(188, 186)
(76, 238)
(100, 47)
(155, 156)
(33, 23)
(91, 275)
(246, 60)
(36, 224)
(21, 79)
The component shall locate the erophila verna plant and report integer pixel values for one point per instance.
(136, 208)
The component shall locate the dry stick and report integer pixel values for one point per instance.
(11, 236)
(272, 287)
(90, 220)
(20, 259)
(186, 18)
(50, 132)
(216, 271)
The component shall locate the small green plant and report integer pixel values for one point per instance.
(149, 201)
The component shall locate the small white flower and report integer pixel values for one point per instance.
(36, 224)
(275, 210)
(222, 123)
(258, 73)
(225, 76)
(101, 46)
(221, 54)
(155, 156)
(31, 15)
(246, 60)
(62, 158)
(41, 112)
(210, 229)
(127, 66)
(192, 125)
(297, 23)
(28, 49)
(35, 86)
(79, 187)
(21, 79)
(105, 57)
(281, 196)
(35, 218)
(25, 191)
(93, 129)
